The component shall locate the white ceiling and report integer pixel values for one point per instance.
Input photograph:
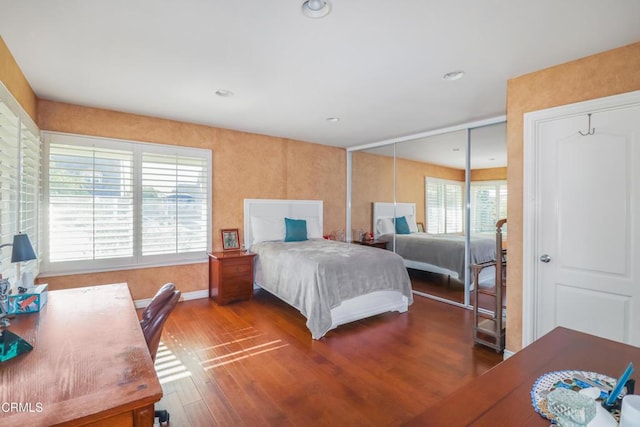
(488, 148)
(377, 64)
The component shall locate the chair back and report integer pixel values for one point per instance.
(157, 302)
(152, 329)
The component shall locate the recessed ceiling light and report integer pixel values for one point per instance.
(454, 75)
(316, 8)
(224, 93)
(333, 119)
(455, 149)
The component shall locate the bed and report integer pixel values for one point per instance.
(437, 253)
(331, 283)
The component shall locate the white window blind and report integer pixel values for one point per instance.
(9, 184)
(116, 204)
(19, 183)
(174, 204)
(90, 203)
(488, 205)
(444, 209)
(29, 211)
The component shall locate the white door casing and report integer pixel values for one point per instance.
(582, 209)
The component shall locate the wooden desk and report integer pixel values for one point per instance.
(90, 364)
(501, 396)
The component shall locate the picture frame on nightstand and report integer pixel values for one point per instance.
(230, 239)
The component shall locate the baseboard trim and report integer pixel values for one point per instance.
(507, 354)
(142, 303)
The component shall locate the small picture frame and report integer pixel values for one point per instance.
(420, 227)
(230, 240)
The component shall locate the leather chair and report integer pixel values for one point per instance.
(160, 300)
(153, 320)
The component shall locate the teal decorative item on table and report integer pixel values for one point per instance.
(11, 345)
(31, 301)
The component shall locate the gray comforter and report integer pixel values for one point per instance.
(443, 250)
(315, 276)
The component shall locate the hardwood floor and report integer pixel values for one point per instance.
(254, 363)
(439, 285)
(451, 289)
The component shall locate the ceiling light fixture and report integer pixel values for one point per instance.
(454, 75)
(333, 119)
(224, 93)
(316, 8)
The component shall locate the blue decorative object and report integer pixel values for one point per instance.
(29, 301)
(615, 394)
(11, 345)
(402, 226)
(296, 230)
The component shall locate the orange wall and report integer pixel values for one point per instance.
(372, 181)
(244, 166)
(14, 80)
(491, 174)
(608, 73)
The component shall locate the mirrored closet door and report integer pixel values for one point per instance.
(488, 194)
(418, 195)
(430, 180)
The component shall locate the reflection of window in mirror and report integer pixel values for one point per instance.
(444, 211)
(488, 179)
(488, 205)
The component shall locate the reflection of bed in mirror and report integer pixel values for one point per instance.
(329, 282)
(436, 253)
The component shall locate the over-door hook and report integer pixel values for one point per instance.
(590, 130)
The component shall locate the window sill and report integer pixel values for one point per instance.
(121, 268)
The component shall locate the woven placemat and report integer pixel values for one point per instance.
(564, 379)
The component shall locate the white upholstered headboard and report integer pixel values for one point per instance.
(391, 210)
(277, 208)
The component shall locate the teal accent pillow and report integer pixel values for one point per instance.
(402, 226)
(296, 230)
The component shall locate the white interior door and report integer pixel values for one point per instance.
(587, 255)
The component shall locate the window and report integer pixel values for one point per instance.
(29, 195)
(488, 205)
(19, 182)
(116, 204)
(444, 211)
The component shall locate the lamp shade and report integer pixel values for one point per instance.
(22, 249)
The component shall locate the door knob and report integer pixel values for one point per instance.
(545, 258)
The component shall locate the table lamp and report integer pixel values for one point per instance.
(11, 345)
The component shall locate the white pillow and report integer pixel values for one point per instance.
(411, 221)
(314, 228)
(265, 229)
(385, 225)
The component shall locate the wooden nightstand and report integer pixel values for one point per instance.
(382, 244)
(230, 276)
